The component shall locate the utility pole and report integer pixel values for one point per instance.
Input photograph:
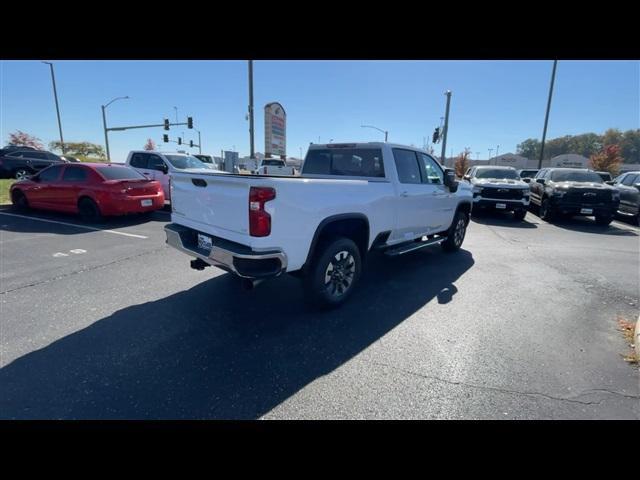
(55, 96)
(490, 150)
(252, 154)
(546, 117)
(446, 126)
(199, 142)
(497, 150)
(104, 123)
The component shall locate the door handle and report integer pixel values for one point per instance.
(438, 194)
(404, 194)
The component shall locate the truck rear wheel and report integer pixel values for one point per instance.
(334, 273)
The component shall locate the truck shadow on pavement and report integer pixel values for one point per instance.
(213, 351)
(588, 225)
(501, 219)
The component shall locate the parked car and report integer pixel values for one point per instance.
(606, 176)
(70, 158)
(527, 173)
(20, 164)
(160, 165)
(13, 148)
(91, 189)
(274, 166)
(350, 199)
(208, 159)
(573, 191)
(498, 188)
(628, 184)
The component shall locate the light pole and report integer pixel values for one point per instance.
(104, 123)
(490, 150)
(497, 149)
(445, 132)
(386, 134)
(252, 147)
(55, 96)
(199, 141)
(546, 117)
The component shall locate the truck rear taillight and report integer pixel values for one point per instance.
(259, 219)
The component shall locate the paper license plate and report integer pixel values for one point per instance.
(501, 205)
(204, 242)
(586, 211)
(146, 203)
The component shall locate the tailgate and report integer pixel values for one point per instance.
(212, 203)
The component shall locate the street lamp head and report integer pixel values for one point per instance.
(48, 63)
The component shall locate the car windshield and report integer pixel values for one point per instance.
(185, 161)
(497, 173)
(575, 176)
(112, 172)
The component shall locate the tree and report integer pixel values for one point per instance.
(81, 149)
(20, 138)
(607, 160)
(462, 163)
(530, 148)
(150, 145)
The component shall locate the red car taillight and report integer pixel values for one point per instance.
(259, 219)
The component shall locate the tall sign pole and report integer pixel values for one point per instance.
(546, 117)
(252, 153)
(446, 127)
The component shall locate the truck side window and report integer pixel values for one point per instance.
(629, 180)
(433, 173)
(139, 160)
(407, 166)
(155, 163)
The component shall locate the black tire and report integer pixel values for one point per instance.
(456, 232)
(89, 211)
(546, 211)
(339, 259)
(604, 220)
(21, 173)
(19, 201)
(520, 214)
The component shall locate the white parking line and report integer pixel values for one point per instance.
(625, 226)
(75, 225)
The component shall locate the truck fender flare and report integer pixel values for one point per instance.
(327, 221)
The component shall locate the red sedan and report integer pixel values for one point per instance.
(90, 189)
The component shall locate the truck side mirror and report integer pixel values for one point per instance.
(450, 180)
(540, 181)
(467, 177)
(637, 185)
(610, 182)
(526, 180)
(164, 169)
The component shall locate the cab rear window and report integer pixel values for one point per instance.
(352, 162)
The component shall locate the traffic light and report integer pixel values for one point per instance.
(179, 141)
(191, 143)
(436, 135)
(165, 138)
(189, 122)
(166, 124)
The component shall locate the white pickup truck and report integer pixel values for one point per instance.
(349, 199)
(273, 166)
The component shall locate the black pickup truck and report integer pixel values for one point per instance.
(573, 191)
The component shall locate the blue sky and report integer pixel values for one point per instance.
(493, 102)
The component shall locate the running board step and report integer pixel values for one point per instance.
(410, 247)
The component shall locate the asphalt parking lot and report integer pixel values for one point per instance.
(107, 322)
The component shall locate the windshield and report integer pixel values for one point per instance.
(575, 176)
(497, 173)
(273, 163)
(111, 172)
(185, 161)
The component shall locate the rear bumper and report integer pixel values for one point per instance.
(128, 204)
(230, 256)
